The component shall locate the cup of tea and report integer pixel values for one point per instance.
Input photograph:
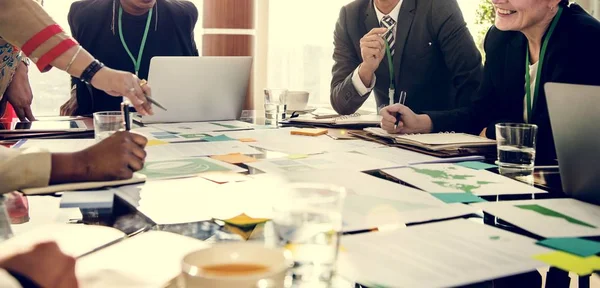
(297, 100)
(236, 265)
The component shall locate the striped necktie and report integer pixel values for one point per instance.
(386, 22)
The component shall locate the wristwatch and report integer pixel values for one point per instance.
(26, 61)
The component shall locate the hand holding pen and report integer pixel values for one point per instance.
(398, 114)
(399, 119)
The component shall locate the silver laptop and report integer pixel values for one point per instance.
(575, 120)
(198, 88)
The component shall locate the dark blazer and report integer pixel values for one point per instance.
(91, 22)
(436, 61)
(573, 56)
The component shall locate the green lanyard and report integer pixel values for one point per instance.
(392, 89)
(540, 65)
(137, 63)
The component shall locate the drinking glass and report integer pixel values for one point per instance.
(107, 123)
(307, 222)
(275, 106)
(516, 145)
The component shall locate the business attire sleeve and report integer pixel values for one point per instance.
(460, 52)
(7, 281)
(23, 168)
(25, 24)
(345, 97)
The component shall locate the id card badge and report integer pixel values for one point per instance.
(391, 93)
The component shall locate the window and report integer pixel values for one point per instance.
(51, 89)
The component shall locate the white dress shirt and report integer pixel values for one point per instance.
(358, 84)
(23, 168)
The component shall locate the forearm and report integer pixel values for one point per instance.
(67, 167)
(79, 64)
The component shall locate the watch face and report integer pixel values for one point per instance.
(26, 61)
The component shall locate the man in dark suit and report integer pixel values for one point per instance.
(435, 60)
(113, 31)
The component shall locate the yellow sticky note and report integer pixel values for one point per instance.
(580, 265)
(156, 142)
(244, 220)
(309, 132)
(246, 140)
(297, 156)
(235, 158)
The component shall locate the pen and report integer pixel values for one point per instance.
(388, 30)
(144, 82)
(125, 112)
(398, 115)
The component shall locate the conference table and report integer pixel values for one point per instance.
(125, 215)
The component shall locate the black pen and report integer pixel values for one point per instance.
(125, 112)
(399, 115)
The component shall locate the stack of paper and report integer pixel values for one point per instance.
(549, 218)
(450, 178)
(198, 149)
(405, 157)
(444, 254)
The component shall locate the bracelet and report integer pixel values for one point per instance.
(91, 71)
(73, 59)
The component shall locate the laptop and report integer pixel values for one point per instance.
(574, 118)
(194, 89)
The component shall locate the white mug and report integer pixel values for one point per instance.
(276, 261)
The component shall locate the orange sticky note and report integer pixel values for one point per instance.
(309, 132)
(235, 158)
(244, 220)
(247, 140)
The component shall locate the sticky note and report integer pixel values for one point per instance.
(247, 140)
(218, 138)
(235, 158)
(476, 165)
(582, 266)
(577, 246)
(309, 132)
(458, 197)
(156, 142)
(244, 220)
(297, 156)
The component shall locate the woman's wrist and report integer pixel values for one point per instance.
(425, 123)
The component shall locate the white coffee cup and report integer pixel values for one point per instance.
(296, 100)
(276, 262)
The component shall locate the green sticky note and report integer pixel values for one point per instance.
(476, 165)
(582, 266)
(218, 138)
(458, 197)
(577, 246)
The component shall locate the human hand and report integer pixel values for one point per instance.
(45, 264)
(372, 50)
(409, 122)
(19, 95)
(118, 83)
(114, 158)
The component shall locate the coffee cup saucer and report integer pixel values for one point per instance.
(307, 110)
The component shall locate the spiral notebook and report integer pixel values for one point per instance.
(355, 119)
(435, 141)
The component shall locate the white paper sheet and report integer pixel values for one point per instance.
(200, 127)
(442, 254)
(405, 157)
(574, 218)
(338, 160)
(449, 178)
(148, 260)
(197, 149)
(73, 239)
(59, 145)
(373, 202)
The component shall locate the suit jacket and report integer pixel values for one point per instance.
(171, 34)
(436, 61)
(572, 57)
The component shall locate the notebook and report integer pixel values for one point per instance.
(435, 141)
(355, 119)
(137, 178)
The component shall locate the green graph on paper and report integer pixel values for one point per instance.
(225, 125)
(462, 182)
(551, 213)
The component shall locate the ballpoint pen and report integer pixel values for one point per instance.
(144, 82)
(125, 111)
(398, 115)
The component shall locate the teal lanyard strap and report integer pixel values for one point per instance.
(530, 104)
(137, 63)
(390, 64)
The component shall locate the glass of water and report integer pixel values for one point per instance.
(516, 145)
(107, 123)
(307, 221)
(275, 106)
